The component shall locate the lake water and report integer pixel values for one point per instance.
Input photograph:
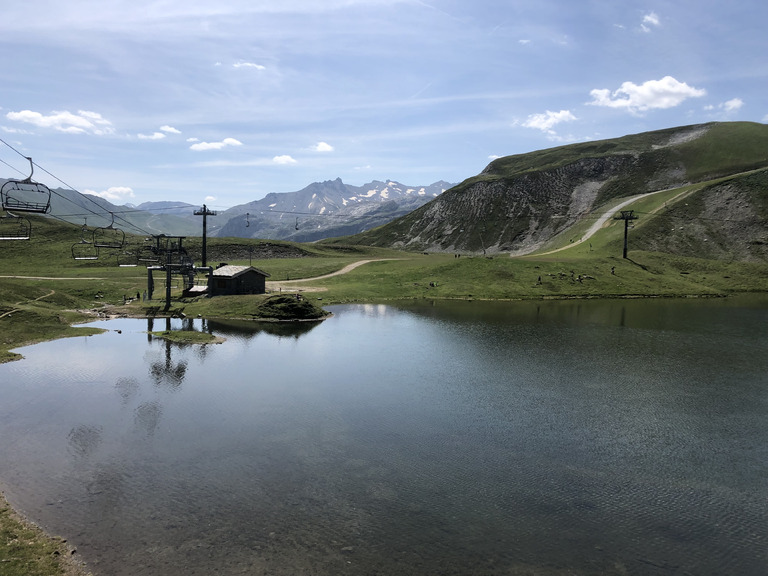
(549, 438)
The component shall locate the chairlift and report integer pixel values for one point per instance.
(247, 222)
(26, 195)
(297, 223)
(85, 249)
(148, 253)
(128, 258)
(109, 236)
(14, 227)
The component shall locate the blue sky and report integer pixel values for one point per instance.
(225, 101)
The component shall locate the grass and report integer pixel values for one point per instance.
(26, 551)
(186, 336)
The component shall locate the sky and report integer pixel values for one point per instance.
(224, 101)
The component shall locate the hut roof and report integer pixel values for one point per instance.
(234, 271)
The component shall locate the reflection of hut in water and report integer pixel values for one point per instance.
(248, 329)
(237, 280)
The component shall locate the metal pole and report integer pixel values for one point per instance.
(205, 213)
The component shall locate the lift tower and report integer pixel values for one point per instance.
(205, 213)
(627, 216)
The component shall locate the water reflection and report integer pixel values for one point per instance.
(84, 440)
(530, 438)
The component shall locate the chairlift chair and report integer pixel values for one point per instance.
(14, 227)
(109, 236)
(26, 195)
(85, 249)
(128, 258)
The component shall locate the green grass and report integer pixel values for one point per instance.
(185, 336)
(26, 551)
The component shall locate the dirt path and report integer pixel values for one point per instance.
(51, 293)
(608, 214)
(291, 284)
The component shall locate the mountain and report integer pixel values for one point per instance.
(323, 210)
(518, 203)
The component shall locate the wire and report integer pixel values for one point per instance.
(85, 196)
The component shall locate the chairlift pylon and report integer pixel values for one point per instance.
(26, 195)
(109, 236)
(14, 227)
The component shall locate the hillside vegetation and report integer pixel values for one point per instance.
(520, 203)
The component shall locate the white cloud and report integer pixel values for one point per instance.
(284, 159)
(322, 147)
(547, 121)
(170, 129)
(114, 193)
(193, 139)
(664, 93)
(242, 64)
(64, 121)
(650, 20)
(209, 199)
(732, 105)
(153, 136)
(215, 145)
(494, 157)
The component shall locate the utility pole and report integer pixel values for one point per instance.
(205, 213)
(626, 215)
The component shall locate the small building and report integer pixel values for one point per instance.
(228, 280)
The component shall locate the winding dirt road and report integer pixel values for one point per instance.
(291, 284)
(608, 214)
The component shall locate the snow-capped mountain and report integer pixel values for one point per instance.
(323, 210)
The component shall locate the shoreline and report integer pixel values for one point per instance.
(32, 538)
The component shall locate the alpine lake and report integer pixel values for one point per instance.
(423, 438)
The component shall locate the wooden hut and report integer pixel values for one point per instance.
(229, 280)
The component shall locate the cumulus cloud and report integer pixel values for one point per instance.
(665, 93)
(153, 136)
(548, 120)
(114, 193)
(322, 147)
(284, 159)
(169, 129)
(650, 20)
(215, 145)
(732, 105)
(209, 199)
(253, 65)
(81, 122)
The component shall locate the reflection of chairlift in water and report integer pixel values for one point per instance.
(26, 195)
(109, 236)
(14, 227)
(85, 249)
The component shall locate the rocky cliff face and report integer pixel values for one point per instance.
(511, 215)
